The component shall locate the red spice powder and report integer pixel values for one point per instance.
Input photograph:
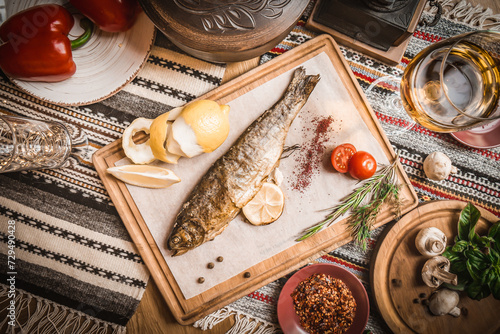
(311, 153)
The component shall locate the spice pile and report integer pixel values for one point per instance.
(324, 304)
(312, 153)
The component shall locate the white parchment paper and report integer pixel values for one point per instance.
(241, 244)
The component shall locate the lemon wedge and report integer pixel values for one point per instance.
(266, 206)
(145, 175)
(138, 153)
(159, 130)
(201, 127)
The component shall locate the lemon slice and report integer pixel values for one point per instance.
(266, 206)
(159, 130)
(145, 176)
(138, 153)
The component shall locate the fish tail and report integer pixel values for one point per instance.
(301, 85)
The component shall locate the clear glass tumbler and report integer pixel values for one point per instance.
(454, 85)
(32, 144)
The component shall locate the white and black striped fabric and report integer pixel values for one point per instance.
(72, 249)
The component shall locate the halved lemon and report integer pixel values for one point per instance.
(266, 206)
(145, 175)
(159, 130)
(138, 153)
(201, 127)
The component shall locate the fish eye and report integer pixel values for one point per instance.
(176, 239)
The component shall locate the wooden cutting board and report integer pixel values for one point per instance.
(396, 258)
(186, 311)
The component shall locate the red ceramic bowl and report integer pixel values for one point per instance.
(289, 320)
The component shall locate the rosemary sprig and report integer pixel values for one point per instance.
(364, 203)
(289, 150)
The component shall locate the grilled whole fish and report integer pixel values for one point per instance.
(234, 179)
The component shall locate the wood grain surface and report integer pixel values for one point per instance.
(396, 259)
(153, 315)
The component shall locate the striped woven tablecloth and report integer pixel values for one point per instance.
(477, 179)
(75, 268)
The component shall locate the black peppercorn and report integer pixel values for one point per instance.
(396, 282)
(247, 274)
(210, 265)
(220, 259)
(201, 280)
(423, 295)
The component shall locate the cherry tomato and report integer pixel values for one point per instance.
(362, 165)
(341, 155)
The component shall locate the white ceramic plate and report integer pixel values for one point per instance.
(104, 65)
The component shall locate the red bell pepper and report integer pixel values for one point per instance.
(109, 15)
(36, 46)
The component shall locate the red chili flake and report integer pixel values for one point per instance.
(324, 304)
(311, 153)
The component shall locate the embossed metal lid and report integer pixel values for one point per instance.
(225, 30)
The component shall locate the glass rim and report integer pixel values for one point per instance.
(459, 38)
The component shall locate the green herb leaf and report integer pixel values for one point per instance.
(495, 285)
(460, 246)
(477, 291)
(475, 259)
(494, 257)
(467, 222)
(458, 266)
(494, 233)
(364, 203)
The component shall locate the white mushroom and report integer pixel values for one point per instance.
(430, 241)
(437, 166)
(436, 271)
(443, 302)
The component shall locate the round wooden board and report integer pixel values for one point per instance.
(397, 258)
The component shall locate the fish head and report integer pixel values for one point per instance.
(187, 235)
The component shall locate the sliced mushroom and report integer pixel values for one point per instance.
(430, 242)
(443, 302)
(436, 271)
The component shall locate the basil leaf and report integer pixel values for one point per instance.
(477, 263)
(494, 257)
(482, 242)
(494, 233)
(460, 246)
(495, 286)
(477, 291)
(458, 266)
(468, 220)
(474, 272)
(474, 290)
(488, 276)
(459, 287)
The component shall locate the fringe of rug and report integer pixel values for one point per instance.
(244, 324)
(463, 12)
(34, 314)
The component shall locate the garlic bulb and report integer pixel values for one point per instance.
(430, 241)
(437, 166)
